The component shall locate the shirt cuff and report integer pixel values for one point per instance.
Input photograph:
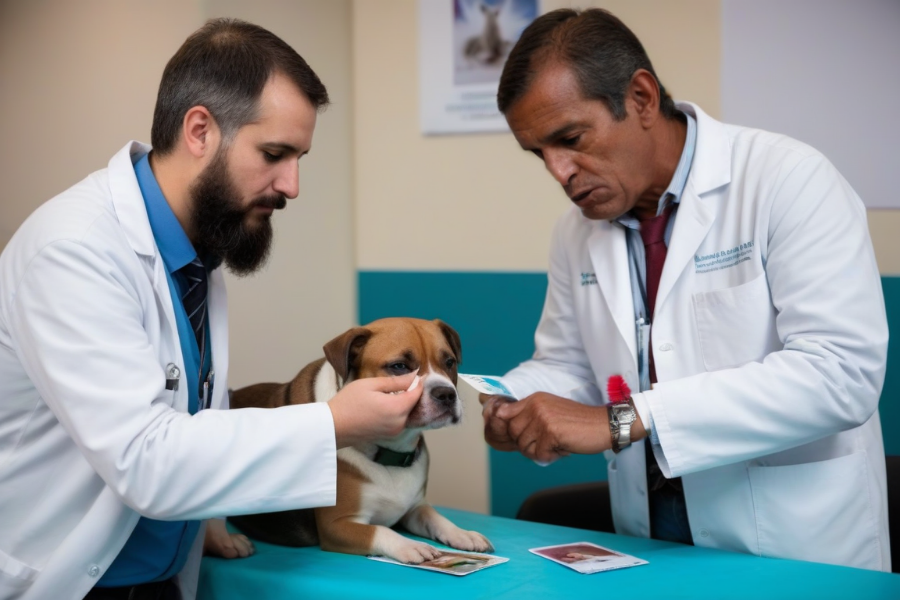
(642, 406)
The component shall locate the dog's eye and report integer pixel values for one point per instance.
(451, 363)
(399, 368)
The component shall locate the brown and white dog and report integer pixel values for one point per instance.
(379, 484)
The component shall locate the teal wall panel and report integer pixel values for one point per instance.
(889, 406)
(495, 315)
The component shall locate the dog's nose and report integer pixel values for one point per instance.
(444, 394)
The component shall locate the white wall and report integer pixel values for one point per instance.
(824, 72)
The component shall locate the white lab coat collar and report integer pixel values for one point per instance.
(128, 200)
(711, 167)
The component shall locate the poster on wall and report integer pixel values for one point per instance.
(463, 45)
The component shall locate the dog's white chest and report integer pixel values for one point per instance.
(392, 491)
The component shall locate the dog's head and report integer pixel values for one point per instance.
(396, 346)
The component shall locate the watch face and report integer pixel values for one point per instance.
(625, 413)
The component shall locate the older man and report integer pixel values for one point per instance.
(727, 275)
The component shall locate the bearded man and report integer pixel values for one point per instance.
(114, 341)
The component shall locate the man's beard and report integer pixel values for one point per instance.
(223, 231)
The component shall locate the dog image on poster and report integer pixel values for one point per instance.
(484, 31)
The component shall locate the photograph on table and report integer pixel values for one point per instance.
(586, 557)
(452, 563)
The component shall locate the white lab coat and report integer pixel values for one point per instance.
(770, 340)
(90, 439)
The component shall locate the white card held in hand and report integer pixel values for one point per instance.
(586, 557)
(484, 384)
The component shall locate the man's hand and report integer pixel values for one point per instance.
(496, 429)
(545, 427)
(373, 408)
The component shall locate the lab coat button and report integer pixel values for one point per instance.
(94, 571)
(704, 533)
(666, 347)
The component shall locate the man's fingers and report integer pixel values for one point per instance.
(496, 434)
(518, 423)
(527, 446)
(400, 383)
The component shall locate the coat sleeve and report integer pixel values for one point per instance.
(830, 319)
(560, 364)
(79, 323)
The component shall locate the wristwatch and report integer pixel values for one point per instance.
(621, 416)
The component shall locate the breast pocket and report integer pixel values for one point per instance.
(736, 325)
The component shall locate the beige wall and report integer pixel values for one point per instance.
(79, 79)
(884, 226)
(460, 189)
(280, 318)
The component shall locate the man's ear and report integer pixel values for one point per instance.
(343, 351)
(643, 94)
(200, 132)
(452, 339)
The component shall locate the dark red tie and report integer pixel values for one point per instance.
(653, 233)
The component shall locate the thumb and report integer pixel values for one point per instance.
(508, 410)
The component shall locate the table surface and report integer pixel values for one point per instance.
(674, 571)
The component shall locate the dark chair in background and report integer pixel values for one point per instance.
(584, 505)
(587, 506)
(893, 493)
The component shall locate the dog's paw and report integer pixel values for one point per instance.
(413, 553)
(467, 540)
(219, 542)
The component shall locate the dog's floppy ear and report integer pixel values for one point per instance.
(452, 339)
(343, 350)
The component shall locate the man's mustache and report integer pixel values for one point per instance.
(274, 202)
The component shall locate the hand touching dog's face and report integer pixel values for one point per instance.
(391, 347)
(374, 495)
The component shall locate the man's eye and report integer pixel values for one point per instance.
(570, 141)
(399, 368)
(271, 157)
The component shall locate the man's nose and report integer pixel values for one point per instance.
(288, 181)
(560, 165)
